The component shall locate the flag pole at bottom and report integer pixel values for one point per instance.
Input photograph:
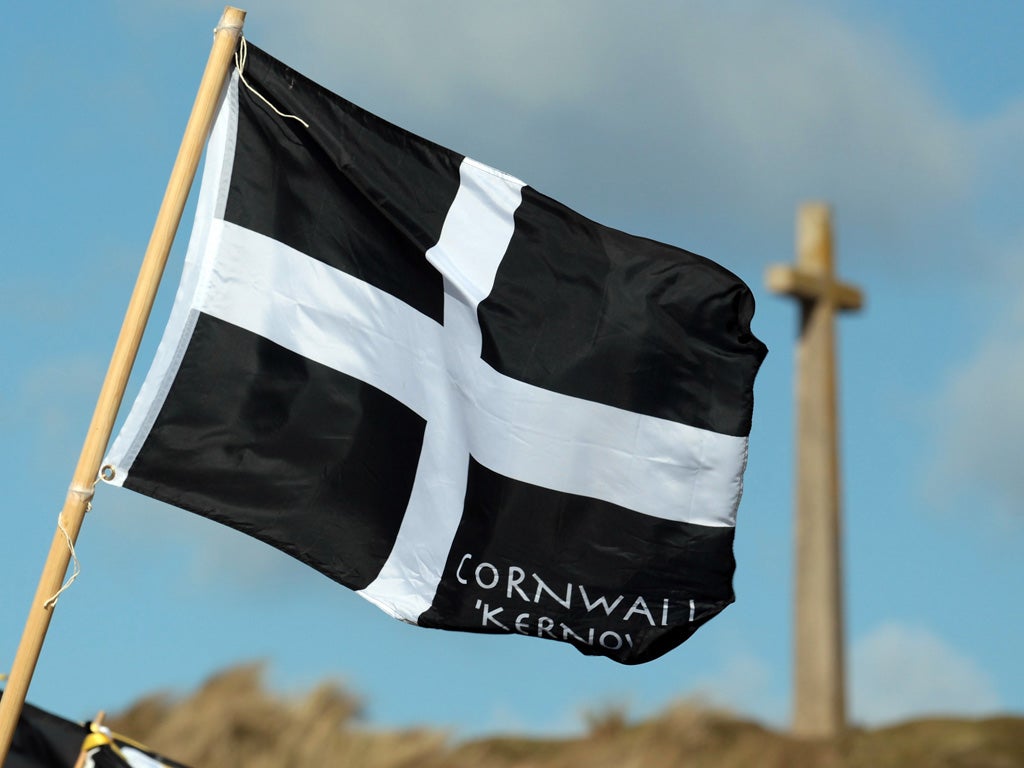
(83, 481)
(83, 753)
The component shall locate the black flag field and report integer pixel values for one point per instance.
(443, 389)
(43, 740)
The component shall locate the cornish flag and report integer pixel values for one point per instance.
(444, 390)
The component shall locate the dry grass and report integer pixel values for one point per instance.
(233, 721)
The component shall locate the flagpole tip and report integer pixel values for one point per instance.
(231, 19)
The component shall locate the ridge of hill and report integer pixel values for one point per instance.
(232, 720)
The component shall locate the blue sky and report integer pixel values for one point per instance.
(702, 124)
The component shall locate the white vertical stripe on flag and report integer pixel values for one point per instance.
(474, 238)
(476, 231)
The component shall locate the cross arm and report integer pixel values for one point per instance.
(811, 286)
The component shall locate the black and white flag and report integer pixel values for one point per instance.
(443, 389)
(43, 740)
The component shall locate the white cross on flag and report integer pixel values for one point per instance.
(443, 389)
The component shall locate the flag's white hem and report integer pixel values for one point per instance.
(220, 153)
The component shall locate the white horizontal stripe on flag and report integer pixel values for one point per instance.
(518, 430)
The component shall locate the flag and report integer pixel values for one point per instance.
(44, 740)
(443, 389)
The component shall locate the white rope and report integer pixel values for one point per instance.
(74, 575)
(240, 56)
(221, 27)
(85, 494)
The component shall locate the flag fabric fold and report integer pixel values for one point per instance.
(443, 389)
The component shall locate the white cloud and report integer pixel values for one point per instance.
(979, 418)
(901, 671)
(999, 154)
(55, 397)
(746, 685)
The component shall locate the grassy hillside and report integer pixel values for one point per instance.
(233, 721)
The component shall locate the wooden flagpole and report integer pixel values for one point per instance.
(83, 481)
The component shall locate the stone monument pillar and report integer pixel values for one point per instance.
(819, 696)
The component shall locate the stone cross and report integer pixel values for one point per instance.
(819, 697)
